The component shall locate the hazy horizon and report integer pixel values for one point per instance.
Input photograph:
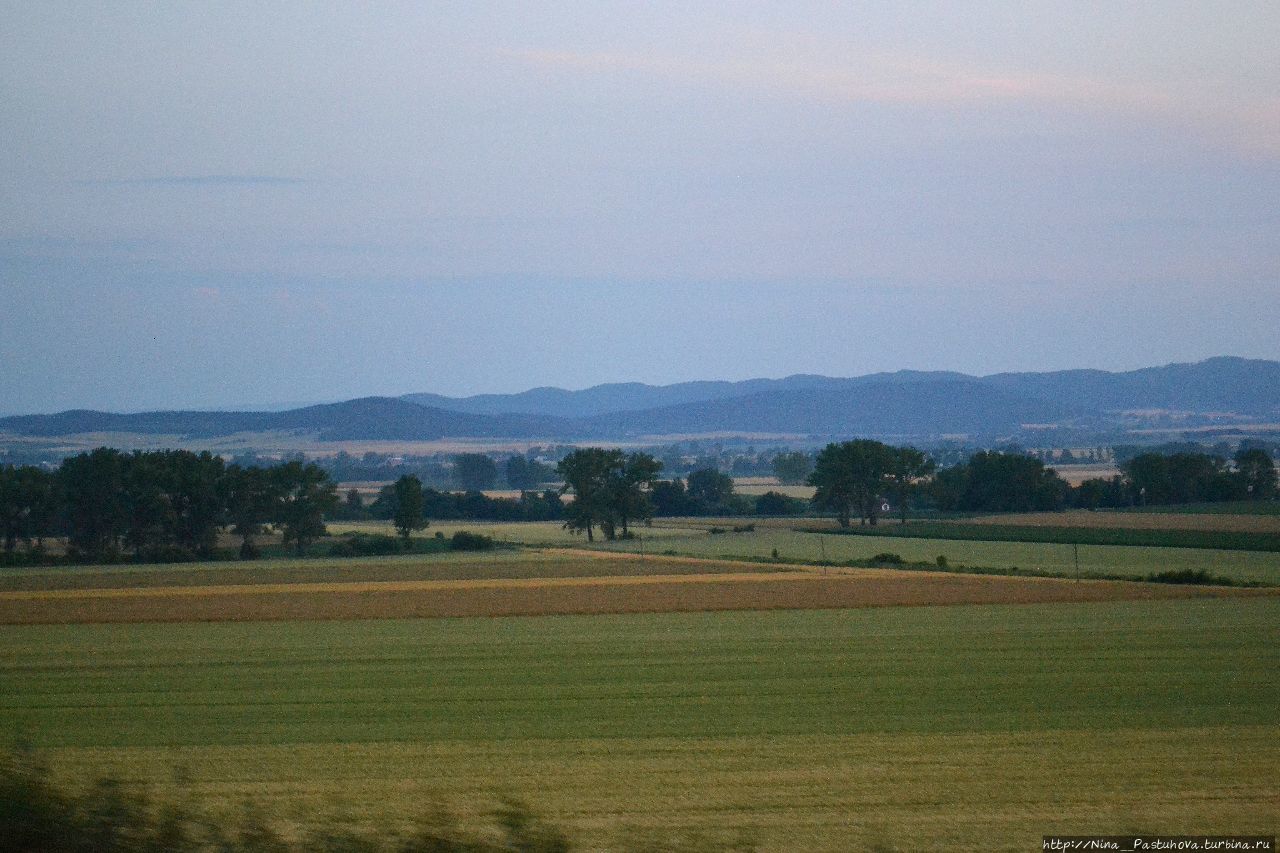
(236, 205)
(285, 405)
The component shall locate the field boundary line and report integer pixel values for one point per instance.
(403, 586)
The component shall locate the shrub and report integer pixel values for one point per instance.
(942, 561)
(366, 544)
(467, 541)
(886, 558)
(1198, 577)
(744, 528)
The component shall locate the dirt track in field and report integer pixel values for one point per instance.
(1211, 522)
(725, 590)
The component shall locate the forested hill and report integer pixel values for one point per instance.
(366, 418)
(904, 405)
(1223, 384)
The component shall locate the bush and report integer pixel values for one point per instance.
(942, 561)
(1198, 577)
(715, 531)
(885, 558)
(466, 541)
(365, 545)
(744, 528)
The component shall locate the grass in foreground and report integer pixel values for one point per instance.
(924, 728)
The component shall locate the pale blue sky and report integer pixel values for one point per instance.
(217, 204)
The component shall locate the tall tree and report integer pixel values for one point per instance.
(92, 485)
(252, 497)
(709, 489)
(305, 494)
(792, 468)
(590, 473)
(630, 499)
(851, 475)
(474, 472)
(196, 489)
(525, 474)
(409, 504)
(907, 468)
(148, 510)
(1257, 472)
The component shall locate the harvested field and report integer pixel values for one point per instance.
(1136, 521)
(718, 586)
(969, 728)
(1077, 474)
(435, 567)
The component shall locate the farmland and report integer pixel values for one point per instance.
(684, 688)
(690, 537)
(829, 729)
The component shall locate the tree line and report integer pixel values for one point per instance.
(160, 505)
(170, 505)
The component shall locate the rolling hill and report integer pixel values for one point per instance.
(906, 405)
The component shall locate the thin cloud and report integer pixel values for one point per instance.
(201, 181)
(1249, 126)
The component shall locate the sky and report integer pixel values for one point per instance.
(243, 204)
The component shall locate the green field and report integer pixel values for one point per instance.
(683, 538)
(1063, 535)
(1101, 560)
(920, 728)
(1269, 507)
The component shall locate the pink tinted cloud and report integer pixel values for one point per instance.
(1247, 125)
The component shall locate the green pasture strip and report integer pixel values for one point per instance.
(1261, 567)
(979, 727)
(667, 675)
(1268, 507)
(1212, 539)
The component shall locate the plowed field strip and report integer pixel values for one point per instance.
(552, 596)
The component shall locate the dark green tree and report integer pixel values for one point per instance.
(526, 474)
(670, 498)
(775, 503)
(851, 476)
(149, 512)
(792, 468)
(26, 505)
(474, 472)
(630, 498)
(709, 489)
(196, 489)
(409, 505)
(92, 489)
(1257, 472)
(305, 494)
(908, 470)
(590, 474)
(252, 498)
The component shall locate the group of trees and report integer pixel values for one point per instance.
(477, 472)
(610, 490)
(458, 506)
(166, 504)
(999, 482)
(1181, 478)
(857, 475)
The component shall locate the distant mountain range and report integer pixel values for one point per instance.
(903, 405)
